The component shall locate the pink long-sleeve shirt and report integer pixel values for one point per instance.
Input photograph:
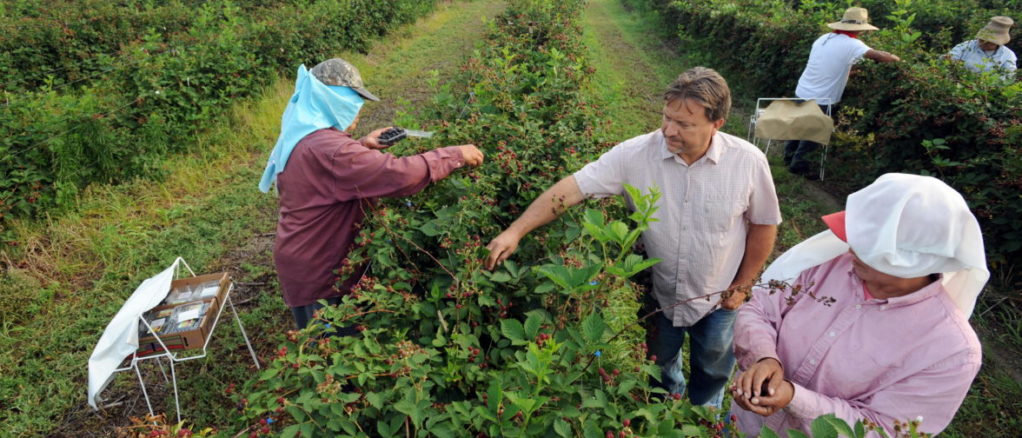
(324, 191)
(878, 359)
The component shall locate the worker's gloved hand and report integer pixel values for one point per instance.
(372, 140)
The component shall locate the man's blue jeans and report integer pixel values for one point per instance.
(711, 358)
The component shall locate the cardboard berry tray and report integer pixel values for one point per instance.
(184, 319)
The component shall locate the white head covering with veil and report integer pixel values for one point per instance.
(906, 226)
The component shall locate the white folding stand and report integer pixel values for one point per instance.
(173, 357)
(751, 135)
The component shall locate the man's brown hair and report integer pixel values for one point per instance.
(704, 86)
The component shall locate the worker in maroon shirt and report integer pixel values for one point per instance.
(324, 176)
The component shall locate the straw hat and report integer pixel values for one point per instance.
(854, 20)
(996, 31)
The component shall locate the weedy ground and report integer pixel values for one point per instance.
(70, 273)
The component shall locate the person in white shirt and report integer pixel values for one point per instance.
(987, 51)
(826, 74)
(716, 224)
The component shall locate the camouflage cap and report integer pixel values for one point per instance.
(337, 71)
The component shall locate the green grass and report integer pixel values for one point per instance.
(93, 257)
(71, 273)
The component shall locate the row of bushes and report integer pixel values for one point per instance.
(449, 349)
(169, 78)
(549, 344)
(924, 115)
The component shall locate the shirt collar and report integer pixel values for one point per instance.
(928, 291)
(712, 154)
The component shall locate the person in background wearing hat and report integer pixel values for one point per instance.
(987, 51)
(826, 74)
(326, 181)
(716, 225)
(903, 264)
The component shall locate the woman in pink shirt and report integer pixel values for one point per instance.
(874, 325)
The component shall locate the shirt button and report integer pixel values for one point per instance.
(858, 306)
(832, 334)
(812, 361)
(883, 307)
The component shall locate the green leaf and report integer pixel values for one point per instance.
(619, 231)
(532, 324)
(375, 399)
(860, 429)
(513, 330)
(594, 217)
(415, 410)
(512, 268)
(598, 400)
(767, 432)
(595, 231)
(494, 395)
(526, 404)
(792, 433)
(292, 430)
(500, 277)
(557, 274)
(636, 196)
(692, 430)
(296, 413)
(269, 373)
(593, 327)
(430, 229)
(822, 429)
(838, 424)
(562, 428)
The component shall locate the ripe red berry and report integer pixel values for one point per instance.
(676, 396)
(626, 422)
(610, 434)
(653, 358)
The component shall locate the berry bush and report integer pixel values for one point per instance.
(545, 346)
(99, 92)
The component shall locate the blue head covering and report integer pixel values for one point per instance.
(312, 107)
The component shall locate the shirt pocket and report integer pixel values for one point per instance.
(722, 215)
